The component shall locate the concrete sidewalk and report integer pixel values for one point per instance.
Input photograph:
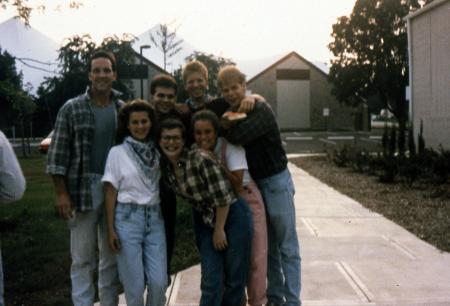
(350, 256)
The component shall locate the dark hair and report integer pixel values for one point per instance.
(163, 80)
(209, 116)
(137, 105)
(170, 124)
(103, 54)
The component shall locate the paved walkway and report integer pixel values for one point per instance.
(350, 256)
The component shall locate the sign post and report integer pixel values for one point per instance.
(326, 114)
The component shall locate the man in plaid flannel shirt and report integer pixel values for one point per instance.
(84, 132)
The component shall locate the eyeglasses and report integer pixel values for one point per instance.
(168, 138)
(163, 96)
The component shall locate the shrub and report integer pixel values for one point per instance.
(441, 166)
(340, 157)
(392, 141)
(375, 164)
(401, 141)
(361, 161)
(385, 139)
(389, 169)
(411, 142)
(410, 169)
(421, 140)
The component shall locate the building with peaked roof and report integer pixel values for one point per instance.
(147, 71)
(300, 96)
(429, 71)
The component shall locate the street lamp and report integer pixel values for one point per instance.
(142, 70)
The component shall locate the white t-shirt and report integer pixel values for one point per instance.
(131, 185)
(234, 158)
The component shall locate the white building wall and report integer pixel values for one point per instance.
(430, 43)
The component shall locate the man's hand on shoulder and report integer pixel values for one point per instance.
(248, 103)
(182, 108)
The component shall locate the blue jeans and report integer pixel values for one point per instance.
(87, 232)
(284, 263)
(142, 259)
(224, 273)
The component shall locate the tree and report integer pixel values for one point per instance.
(24, 10)
(16, 105)
(212, 62)
(73, 79)
(166, 41)
(370, 55)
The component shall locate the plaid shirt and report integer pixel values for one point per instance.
(70, 148)
(202, 182)
(260, 136)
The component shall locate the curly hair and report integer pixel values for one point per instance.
(137, 105)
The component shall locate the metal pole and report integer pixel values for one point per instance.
(141, 70)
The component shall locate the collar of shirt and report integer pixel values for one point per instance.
(115, 94)
(194, 106)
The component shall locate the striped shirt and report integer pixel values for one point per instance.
(70, 149)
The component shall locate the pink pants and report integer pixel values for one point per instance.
(256, 284)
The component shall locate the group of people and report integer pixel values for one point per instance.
(118, 169)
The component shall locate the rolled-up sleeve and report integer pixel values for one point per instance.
(112, 173)
(59, 150)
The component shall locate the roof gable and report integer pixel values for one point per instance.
(284, 59)
(149, 62)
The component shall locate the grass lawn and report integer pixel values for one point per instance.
(423, 209)
(35, 243)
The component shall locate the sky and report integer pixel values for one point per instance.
(237, 29)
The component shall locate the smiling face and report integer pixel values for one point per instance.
(233, 91)
(101, 75)
(205, 134)
(139, 125)
(196, 86)
(171, 143)
(164, 99)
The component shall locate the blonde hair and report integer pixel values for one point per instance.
(228, 74)
(195, 66)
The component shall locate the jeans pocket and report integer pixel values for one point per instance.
(123, 213)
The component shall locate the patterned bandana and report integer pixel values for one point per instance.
(144, 155)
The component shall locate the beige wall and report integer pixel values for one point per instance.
(294, 106)
(430, 44)
(265, 85)
(298, 104)
(340, 115)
